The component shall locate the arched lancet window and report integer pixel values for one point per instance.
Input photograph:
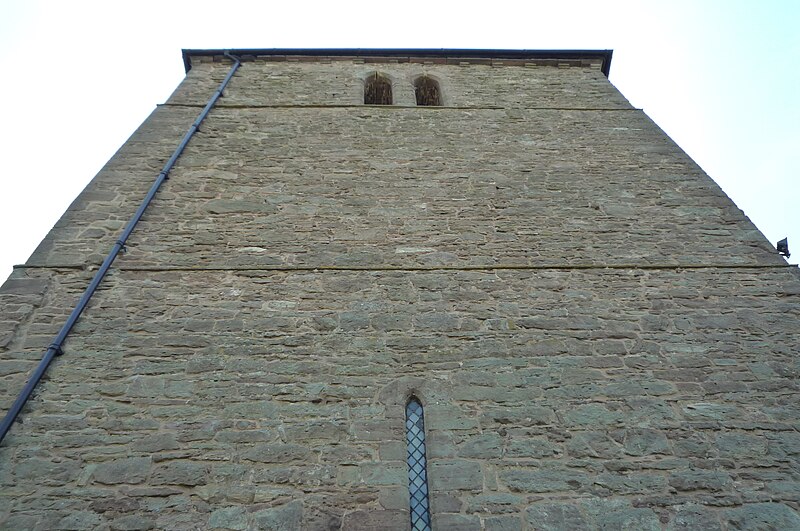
(417, 467)
(427, 91)
(377, 90)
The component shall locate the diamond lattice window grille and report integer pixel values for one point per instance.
(417, 464)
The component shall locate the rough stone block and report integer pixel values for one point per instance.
(555, 517)
(695, 517)
(593, 444)
(375, 520)
(619, 514)
(537, 480)
(287, 517)
(130, 470)
(80, 520)
(592, 415)
(156, 443)
(689, 480)
(23, 286)
(455, 475)
(762, 516)
(484, 446)
(277, 453)
(532, 447)
(132, 523)
(180, 473)
(502, 523)
(640, 442)
(234, 518)
(380, 474)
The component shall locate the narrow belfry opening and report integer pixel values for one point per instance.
(427, 91)
(377, 90)
(417, 467)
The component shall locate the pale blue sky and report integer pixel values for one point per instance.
(720, 77)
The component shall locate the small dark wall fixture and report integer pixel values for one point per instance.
(377, 90)
(427, 91)
(783, 247)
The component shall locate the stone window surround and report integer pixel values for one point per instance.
(408, 84)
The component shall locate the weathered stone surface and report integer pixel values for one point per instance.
(396, 498)
(631, 483)
(23, 286)
(710, 411)
(132, 523)
(762, 516)
(695, 517)
(592, 415)
(15, 367)
(382, 474)
(48, 472)
(80, 520)
(532, 447)
(277, 453)
(228, 518)
(180, 473)
(156, 443)
(455, 475)
(502, 523)
(284, 518)
(600, 339)
(551, 479)
(556, 517)
(482, 447)
(19, 521)
(619, 514)
(222, 206)
(700, 479)
(456, 522)
(741, 446)
(645, 442)
(375, 520)
(131, 470)
(495, 503)
(593, 444)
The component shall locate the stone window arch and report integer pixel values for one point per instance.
(427, 91)
(377, 90)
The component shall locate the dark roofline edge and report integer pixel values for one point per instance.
(605, 55)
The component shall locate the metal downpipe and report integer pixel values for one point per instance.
(55, 347)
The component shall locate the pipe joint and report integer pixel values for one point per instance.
(232, 57)
(56, 348)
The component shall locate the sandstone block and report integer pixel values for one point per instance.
(130, 470)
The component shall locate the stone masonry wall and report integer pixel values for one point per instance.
(600, 338)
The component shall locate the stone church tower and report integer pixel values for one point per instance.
(394, 289)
